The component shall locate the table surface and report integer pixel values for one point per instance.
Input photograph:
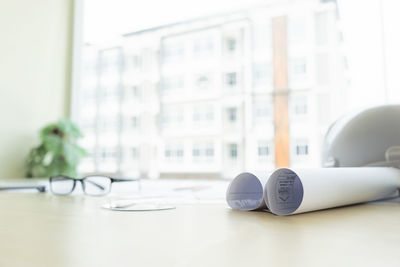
(46, 230)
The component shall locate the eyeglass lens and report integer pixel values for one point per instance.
(62, 185)
(96, 185)
(92, 185)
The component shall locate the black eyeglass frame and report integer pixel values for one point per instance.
(83, 179)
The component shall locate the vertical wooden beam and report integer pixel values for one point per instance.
(281, 101)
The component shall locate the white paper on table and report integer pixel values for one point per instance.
(246, 191)
(301, 190)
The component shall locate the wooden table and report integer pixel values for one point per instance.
(45, 230)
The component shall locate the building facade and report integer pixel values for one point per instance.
(203, 98)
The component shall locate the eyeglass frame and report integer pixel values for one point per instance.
(81, 180)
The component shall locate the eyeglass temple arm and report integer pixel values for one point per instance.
(95, 184)
(129, 180)
(124, 180)
(113, 180)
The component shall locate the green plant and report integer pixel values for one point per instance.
(58, 152)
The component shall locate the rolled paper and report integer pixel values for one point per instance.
(292, 191)
(246, 192)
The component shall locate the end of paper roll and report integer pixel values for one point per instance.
(245, 192)
(285, 192)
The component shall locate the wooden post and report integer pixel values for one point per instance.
(281, 101)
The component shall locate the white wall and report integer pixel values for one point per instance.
(35, 60)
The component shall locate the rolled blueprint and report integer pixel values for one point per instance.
(301, 190)
(246, 192)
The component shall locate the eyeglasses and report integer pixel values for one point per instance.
(95, 185)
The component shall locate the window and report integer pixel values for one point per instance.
(91, 152)
(232, 114)
(298, 69)
(262, 109)
(135, 153)
(110, 92)
(88, 124)
(90, 67)
(210, 151)
(135, 61)
(299, 66)
(172, 116)
(135, 122)
(108, 153)
(301, 148)
(108, 125)
(89, 95)
(232, 151)
(231, 44)
(209, 114)
(148, 56)
(203, 113)
(196, 115)
(172, 83)
(231, 79)
(174, 152)
(109, 61)
(196, 152)
(172, 52)
(179, 153)
(299, 105)
(203, 46)
(203, 152)
(262, 74)
(264, 150)
(136, 92)
(202, 80)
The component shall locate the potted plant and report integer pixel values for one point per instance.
(58, 152)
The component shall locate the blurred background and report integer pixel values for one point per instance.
(188, 88)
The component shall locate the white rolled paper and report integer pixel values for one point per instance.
(301, 190)
(292, 191)
(246, 192)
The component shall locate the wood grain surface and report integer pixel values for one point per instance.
(45, 230)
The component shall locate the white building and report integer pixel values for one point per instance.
(197, 98)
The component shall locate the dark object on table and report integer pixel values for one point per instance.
(40, 188)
